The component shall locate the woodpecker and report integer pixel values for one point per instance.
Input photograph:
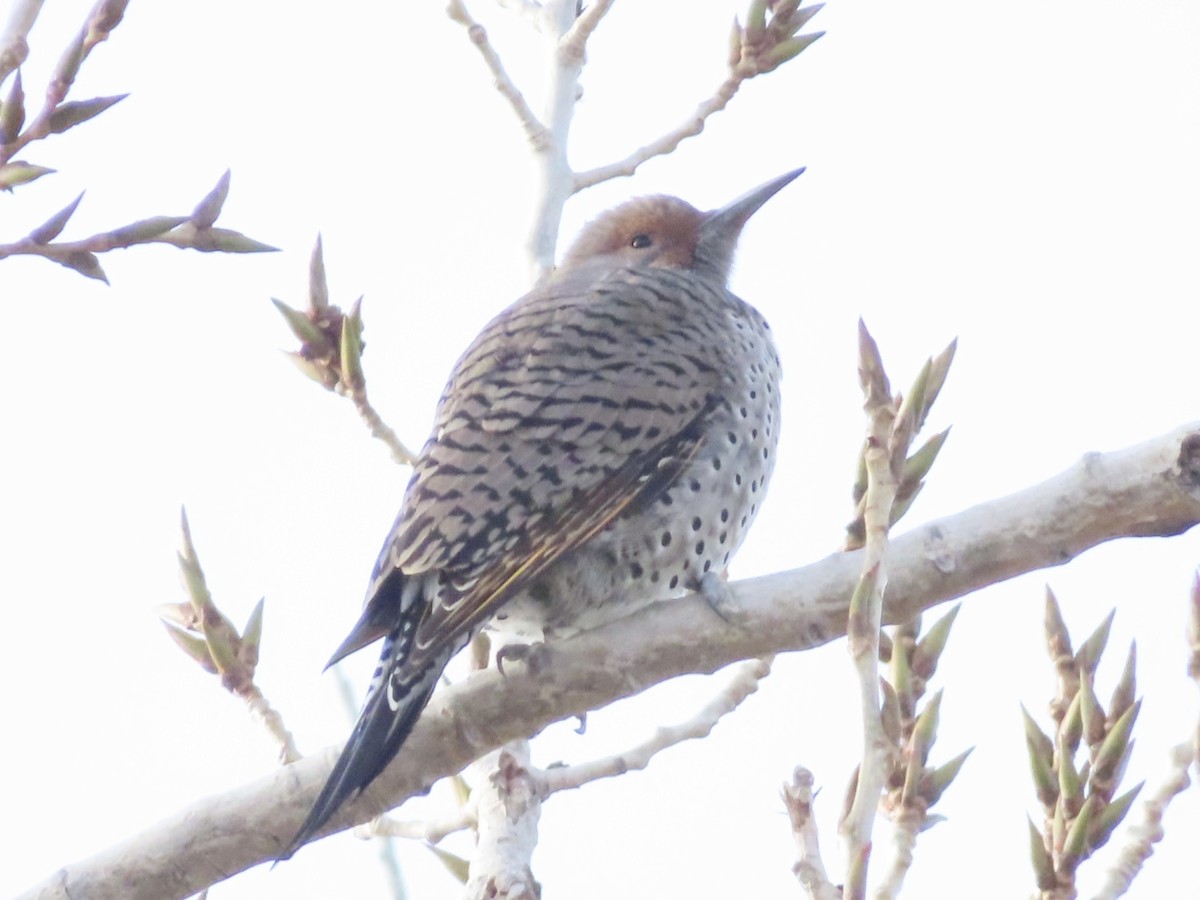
(605, 442)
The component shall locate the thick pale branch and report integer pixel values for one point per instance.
(508, 805)
(1152, 489)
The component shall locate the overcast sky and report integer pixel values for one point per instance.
(1023, 179)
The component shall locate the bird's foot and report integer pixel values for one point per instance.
(533, 655)
(714, 590)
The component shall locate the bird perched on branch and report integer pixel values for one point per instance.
(605, 442)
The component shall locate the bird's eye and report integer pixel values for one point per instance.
(640, 241)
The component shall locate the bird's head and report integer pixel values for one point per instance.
(666, 231)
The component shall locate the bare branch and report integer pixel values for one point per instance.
(1141, 838)
(103, 18)
(574, 42)
(744, 682)
(755, 49)
(809, 870)
(1151, 489)
(866, 613)
(535, 131)
(906, 824)
(554, 175)
(430, 829)
(269, 719)
(14, 44)
(661, 146)
(508, 806)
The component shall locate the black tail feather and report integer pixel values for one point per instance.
(391, 711)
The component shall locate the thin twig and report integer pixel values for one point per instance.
(535, 131)
(379, 428)
(103, 18)
(689, 127)
(1141, 838)
(14, 44)
(866, 611)
(430, 830)
(906, 825)
(745, 681)
(808, 868)
(268, 717)
(574, 42)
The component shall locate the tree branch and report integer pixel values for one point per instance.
(1151, 489)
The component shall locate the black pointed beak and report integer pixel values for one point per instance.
(730, 218)
(720, 229)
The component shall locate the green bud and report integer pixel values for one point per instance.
(12, 112)
(1111, 816)
(52, 227)
(890, 713)
(85, 263)
(68, 115)
(252, 635)
(304, 328)
(1115, 744)
(1043, 866)
(939, 370)
(318, 372)
(207, 210)
(1070, 787)
(1058, 639)
(1090, 650)
(1071, 728)
(934, 784)
(1090, 712)
(1126, 689)
(929, 649)
(456, 865)
(756, 19)
(1041, 761)
(318, 285)
(226, 240)
(1075, 846)
(19, 172)
(350, 352)
(917, 466)
(145, 230)
(196, 648)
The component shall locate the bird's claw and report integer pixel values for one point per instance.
(532, 654)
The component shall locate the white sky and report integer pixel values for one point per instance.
(1023, 179)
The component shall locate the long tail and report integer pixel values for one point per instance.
(393, 706)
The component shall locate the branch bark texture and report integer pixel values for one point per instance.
(1152, 489)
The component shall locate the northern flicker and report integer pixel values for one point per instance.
(605, 442)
